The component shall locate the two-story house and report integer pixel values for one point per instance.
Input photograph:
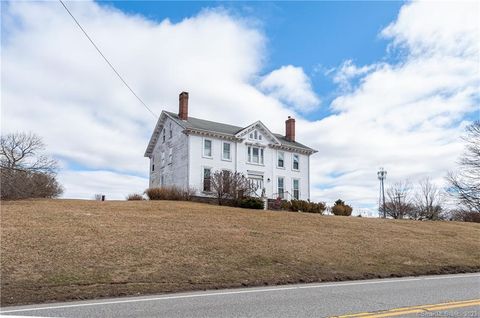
(185, 151)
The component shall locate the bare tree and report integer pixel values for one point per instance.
(231, 185)
(465, 183)
(399, 203)
(428, 201)
(26, 172)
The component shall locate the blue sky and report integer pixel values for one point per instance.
(316, 36)
(371, 84)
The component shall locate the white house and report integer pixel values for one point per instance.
(185, 151)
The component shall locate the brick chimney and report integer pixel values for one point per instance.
(183, 106)
(290, 129)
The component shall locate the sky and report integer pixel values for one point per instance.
(371, 84)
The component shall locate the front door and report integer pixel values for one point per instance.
(257, 184)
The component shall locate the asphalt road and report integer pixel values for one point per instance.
(425, 296)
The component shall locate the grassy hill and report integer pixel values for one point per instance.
(73, 249)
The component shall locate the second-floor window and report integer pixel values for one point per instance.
(170, 155)
(163, 135)
(296, 162)
(255, 155)
(207, 182)
(153, 163)
(281, 187)
(207, 148)
(226, 154)
(171, 131)
(280, 159)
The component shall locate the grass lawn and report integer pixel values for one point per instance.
(53, 250)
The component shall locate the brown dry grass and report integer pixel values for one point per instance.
(73, 249)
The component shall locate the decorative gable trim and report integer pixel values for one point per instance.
(260, 126)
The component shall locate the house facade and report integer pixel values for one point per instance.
(185, 152)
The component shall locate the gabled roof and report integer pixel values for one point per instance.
(201, 125)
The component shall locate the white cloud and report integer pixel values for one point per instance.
(85, 184)
(292, 86)
(405, 116)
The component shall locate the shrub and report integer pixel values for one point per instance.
(304, 206)
(165, 193)
(134, 197)
(170, 193)
(340, 208)
(251, 203)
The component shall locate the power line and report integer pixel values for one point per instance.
(106, 60)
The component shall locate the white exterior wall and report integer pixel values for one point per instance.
(198, 161)
(239, 163)
(176, 172)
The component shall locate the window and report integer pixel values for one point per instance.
(281, 187)
(162, 180)
(226, 181)
(170, 155)
(171, 131)
(281, 159)
(226, 151)
(296, 189)
(255, 155)
(153, 163)
(255, 135)
(162, 158)
(163, 134)
(207, 148)
(207, 182)
(296, 162)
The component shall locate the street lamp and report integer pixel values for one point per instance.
(382, 175)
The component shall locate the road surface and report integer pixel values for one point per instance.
(425, 296)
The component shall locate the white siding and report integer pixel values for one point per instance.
(239, 163)
(176, 172)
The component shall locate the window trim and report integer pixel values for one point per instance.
(283, 187)
(223, 151)
(293, 161)
(278, 155)
(293, 188)
(261, 155)
(211, 148)
(203, 179)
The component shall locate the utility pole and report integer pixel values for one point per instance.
(382, 175)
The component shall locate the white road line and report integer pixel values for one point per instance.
(233, 292)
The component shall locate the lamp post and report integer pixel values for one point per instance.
(382, 175)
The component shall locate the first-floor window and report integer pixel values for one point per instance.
(226, 151)
(281, 187)
(226, 181)
(162, 180)
(207, 181)
(170, 155)
(162, 158)
(296, 189)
